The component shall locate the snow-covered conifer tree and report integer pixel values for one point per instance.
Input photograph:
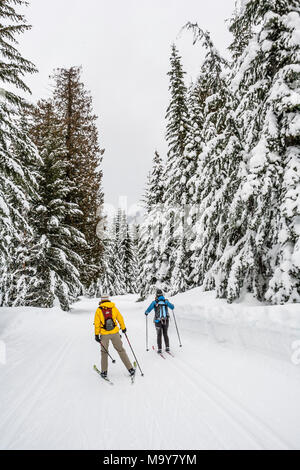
(217, 161)
(177, 171)
(73, 104)
(110, 281)
(178, 127)
(136, 258)
(128, 263)
(15, 178)
(262, 240)
(150, 232)
(51, 267)
(196, 104)
(26, 154)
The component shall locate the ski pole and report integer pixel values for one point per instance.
(147, 346)
(177, 330)
(105, 350)
(134, 355)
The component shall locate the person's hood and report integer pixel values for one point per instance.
(161, 297)
(107, 303)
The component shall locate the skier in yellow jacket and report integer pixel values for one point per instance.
(107, 318)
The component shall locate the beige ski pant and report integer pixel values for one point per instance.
(117, 344)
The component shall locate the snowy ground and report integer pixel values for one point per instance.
(232, 386)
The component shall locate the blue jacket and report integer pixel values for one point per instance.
(152, 305)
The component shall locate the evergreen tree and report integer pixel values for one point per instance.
(156, 184)
(73, 105)
(128, 261)
(120, 267)
(51, 266)
(234, 155)
(217, 161)
(136, 258)
(262, 240)
(151, 274)
(110, 281)
(145, 246)
(177, 173)
(120, 231)
(180, 274)
(283, 107)
(197, 95)
(16, 181)
(26, 154)
(178, 127)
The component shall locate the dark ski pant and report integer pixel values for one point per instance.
(117, 344)
(162, 330)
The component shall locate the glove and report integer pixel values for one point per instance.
(97, 338)
(146, 313)
(124, 331)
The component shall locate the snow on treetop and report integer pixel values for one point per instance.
(248, 56)
(241, 6)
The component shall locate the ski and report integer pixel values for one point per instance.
(170, 354)
(160, 354)
(103, 378)
(132, 377)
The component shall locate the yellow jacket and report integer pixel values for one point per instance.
(116, 316)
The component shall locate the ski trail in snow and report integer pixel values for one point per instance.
(268, 437)
(19, 413)
(258, 434)
(223, 418)
(50, 397)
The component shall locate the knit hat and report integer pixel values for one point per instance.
(104, 297)
(159, 292)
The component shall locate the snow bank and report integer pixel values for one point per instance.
(272, 330)
(26, 320)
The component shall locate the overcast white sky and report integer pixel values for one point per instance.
(124, 48)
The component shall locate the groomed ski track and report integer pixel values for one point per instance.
(209, 396)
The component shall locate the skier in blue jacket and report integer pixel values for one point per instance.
(161, 318)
